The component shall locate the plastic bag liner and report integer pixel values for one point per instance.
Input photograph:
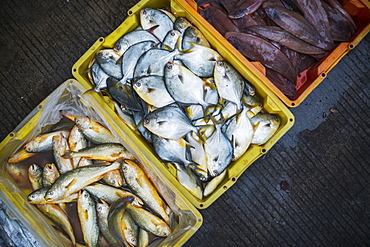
(69, 98)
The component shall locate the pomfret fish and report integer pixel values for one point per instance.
(86, 209)
(139, 121)
(141, 186)
(107, 152)
(74, 180)
(108, 61)
(265, 125)
(183, 85)
(168, 122)
(57, 215)
(35, 176)
(125, 115)
(146, 220)
(98, 77)
(132, 38)
(193, 35)
(153, 62)
(60, 146)
(153, 91)
(212, 185)
(181, 23)
(219, 152)
(50, 173)
(198, 156)
(170, 41)
(102, 211)
(200, 59)
(189, 180)
(150, 17)
(20, 156)
(240, 132)
(43, 142)
(230, 84)
(110, 194)
(171, 150)
(93, 130)
(131, 57)
(124, 94)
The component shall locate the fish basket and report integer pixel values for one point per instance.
(308, 79)
(272, 104)
(14, 183)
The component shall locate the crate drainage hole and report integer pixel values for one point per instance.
(39, 107)
(233, 179)
(74, 70)
(11, 134)
(291, 119)
(199, 220)
(293, 104)
(323, 74)
(225, 187)
(101, 39)
(263, 150)
(351, 46)
(201, 205)
(129, 12)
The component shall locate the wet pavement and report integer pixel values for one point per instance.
(311, 189)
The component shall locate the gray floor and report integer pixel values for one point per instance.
(311, 189)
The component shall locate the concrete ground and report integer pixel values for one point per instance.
(311, 189)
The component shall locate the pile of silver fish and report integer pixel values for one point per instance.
(117, 204)
(286, 36)
(194, 108)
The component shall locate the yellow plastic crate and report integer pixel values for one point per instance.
(69, 95)
(310, 78)
(271, 102)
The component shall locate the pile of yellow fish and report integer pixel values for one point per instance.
(92, 173)
(194, 108)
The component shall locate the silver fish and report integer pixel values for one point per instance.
(99, 77)
(189, 180)
(168, 122)
(181, 23)
(102, 210)
(198, 156)
(200, 59)
(240, 132)
(193, 35)
(183, 85)
(265, 125)
(230, 84)
(171, 150)
(131, 57)
(153, 91)
(132, 38)
(153, 62)
(170, 41)
(212, 185)
(108, 61)
(150, 17)
(76, 142)
(139, 121)
(219, 152)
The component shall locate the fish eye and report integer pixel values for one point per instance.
(172, 33)
(220, 63)
(146, 121)
(124, 168)
(50, 193)
(86, 195)
(169, 66)
(99, 54)
(215, 172)
(138, 84)
(117, 47)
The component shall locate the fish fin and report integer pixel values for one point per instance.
(119, 60)
(181, 78)
(166, 47)
(70, 184)
(67, 154)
